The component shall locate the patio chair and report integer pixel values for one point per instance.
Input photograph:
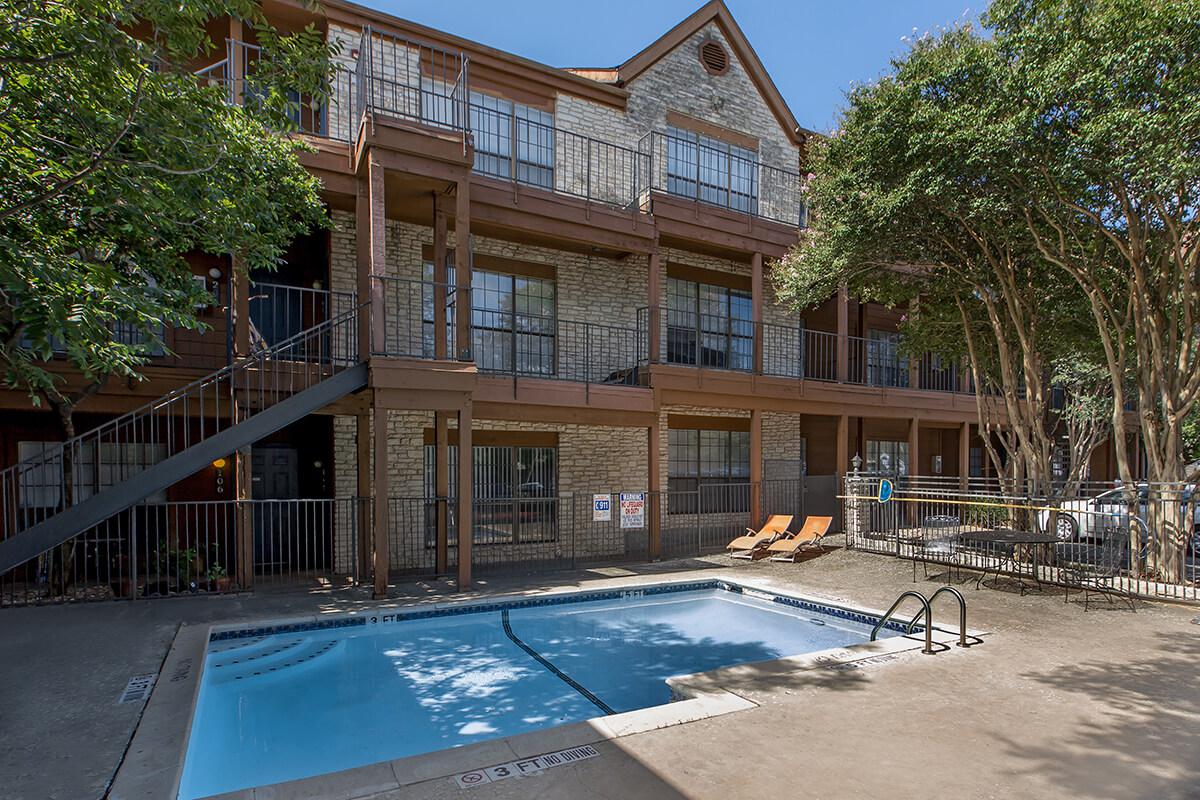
(809, 537)
(750, 546)
(938, 543)
(1095, 566)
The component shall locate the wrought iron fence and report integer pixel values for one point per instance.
(1106, 539)
(182, 548)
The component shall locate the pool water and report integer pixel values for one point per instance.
(289, 705)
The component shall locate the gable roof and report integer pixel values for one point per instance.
(716, 11)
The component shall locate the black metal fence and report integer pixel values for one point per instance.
(569, 530)
(165, 549)
(1142, 540)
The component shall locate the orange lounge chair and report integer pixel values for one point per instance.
(809, 536)
(750, 546)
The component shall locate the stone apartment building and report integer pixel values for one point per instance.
(616, 335)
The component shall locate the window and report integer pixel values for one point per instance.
(497, 123)
(711, 170)
(885, 365)
(512, 320)
(708, 471)
(41, 487)
(515, 490)
(709, 326)
(887, 457)
(975, 463)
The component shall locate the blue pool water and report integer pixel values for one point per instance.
(286, 705)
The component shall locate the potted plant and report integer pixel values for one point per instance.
(218, 578)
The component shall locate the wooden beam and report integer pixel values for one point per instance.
(439, 275)
(843, 445)
(441, 445)
(914, 442)
(756, 471)
(377, 253)
(462, 272)
(843, 333)
(654, 484)
(756, 311)
(362, 447)
(964, 455)
(380, 488)
(654, 301)
(466, 493)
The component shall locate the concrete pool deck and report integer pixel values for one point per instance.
(1056, 703)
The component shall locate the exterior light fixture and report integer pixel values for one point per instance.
(219, 463)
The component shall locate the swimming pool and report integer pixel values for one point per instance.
(285, 702)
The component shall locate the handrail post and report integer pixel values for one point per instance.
(928, 650)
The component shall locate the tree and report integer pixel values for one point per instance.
(903, 210)
(1062, 143)
(116, 161)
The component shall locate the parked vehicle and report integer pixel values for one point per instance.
(1085, 519)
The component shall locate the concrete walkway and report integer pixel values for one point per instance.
(1056, 703)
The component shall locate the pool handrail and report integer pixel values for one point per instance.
(928, 649)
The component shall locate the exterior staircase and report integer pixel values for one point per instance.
(190, 427)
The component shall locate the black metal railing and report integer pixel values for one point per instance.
(691, 169)
(180, 548)
(545, 156)
(411, 80)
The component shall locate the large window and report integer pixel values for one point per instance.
(94, 470)
(709, 326)
(496, 124)
(711, 170)
(515, 491)
(887, 457)
(512, 320)
(708, 470)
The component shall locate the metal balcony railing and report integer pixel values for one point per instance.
(705, 174)
(413, 81)
(504, 341)
(545, 156)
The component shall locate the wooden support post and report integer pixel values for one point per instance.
(843, 334)
(654, 301)
(964, 455)
(462, 281)
(376, 237)
(441, 446)
(654, 484)
(843, 446)
(439, 276)
(237, 65)
(466, 495)
(382, 522)
(756, 468)
(244, 520)
(756, 308)
(362, 447)
(914, 441)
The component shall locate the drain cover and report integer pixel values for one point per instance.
(137, 690)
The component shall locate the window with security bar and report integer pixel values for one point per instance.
(94, 470)
(496, 124)
(887, 457)
(709, 326)
(711, 170)
(708, 471)
(515, 490)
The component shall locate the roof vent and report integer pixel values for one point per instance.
(713, 57)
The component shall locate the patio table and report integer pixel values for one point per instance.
(1006, 541)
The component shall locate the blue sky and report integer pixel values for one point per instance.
(814, 49)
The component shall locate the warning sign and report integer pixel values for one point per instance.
(633, 510)
(526, 766)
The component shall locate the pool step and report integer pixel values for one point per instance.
(264, 648)
(275, 660)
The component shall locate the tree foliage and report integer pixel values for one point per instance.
(115, 161)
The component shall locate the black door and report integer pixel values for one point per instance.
(277, 538)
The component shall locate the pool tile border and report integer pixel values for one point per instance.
(362, 619)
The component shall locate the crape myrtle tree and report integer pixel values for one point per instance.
(115, 162)
(903, 213)
(1053, 163)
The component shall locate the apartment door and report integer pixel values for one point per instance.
(275, 474)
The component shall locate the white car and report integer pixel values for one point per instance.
(1085, 519)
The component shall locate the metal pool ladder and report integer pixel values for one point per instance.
(927, 610)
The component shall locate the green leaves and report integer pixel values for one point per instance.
(116, 161)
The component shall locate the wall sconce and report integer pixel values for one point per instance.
(219, 463)
(215, 274)
(219, 466)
